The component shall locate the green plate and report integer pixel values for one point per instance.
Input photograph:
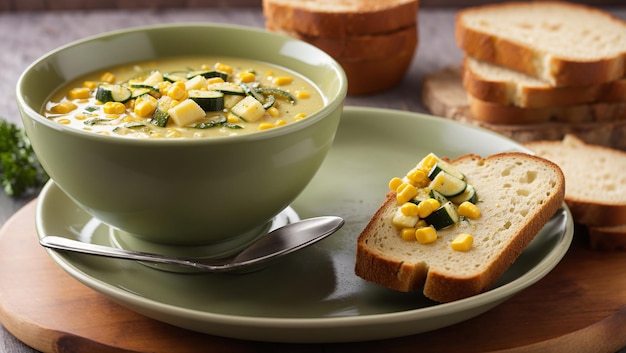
(313, 295)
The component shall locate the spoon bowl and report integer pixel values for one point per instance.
(279, 242)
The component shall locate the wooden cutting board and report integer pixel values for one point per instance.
(578, 307)
(443, 95)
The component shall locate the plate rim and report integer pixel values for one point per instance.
(492, 297)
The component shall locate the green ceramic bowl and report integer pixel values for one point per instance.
(185, 191)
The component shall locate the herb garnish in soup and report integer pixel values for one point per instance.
(185, 97)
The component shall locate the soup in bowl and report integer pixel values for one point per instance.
(173, 134)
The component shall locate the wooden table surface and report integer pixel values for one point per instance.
(24, 36)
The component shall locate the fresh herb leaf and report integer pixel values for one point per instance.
(20, 171)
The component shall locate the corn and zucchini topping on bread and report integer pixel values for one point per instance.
(479, 215)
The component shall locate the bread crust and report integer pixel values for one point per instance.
(331, 18)
(496, 113)
(444, 95)
(517, 55)
(537, 96)
(589, 211)
(414, 274)
(361, 47)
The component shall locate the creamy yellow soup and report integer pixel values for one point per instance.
(185, 97)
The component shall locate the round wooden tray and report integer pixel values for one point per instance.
(579, 307)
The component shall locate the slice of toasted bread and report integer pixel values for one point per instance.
(497, 84)
(561, 43)
(596, 183)
(331, 18)
(518, 194)
(496, 113)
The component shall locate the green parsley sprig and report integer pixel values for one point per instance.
(20, 171)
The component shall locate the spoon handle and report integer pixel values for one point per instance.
(65, 244)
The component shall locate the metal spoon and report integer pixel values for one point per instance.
(278, 242)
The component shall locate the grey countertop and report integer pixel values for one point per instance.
(25, 36)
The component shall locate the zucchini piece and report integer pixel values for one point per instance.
(438, 196)
(209, 101)
(269, 102)
(448, 185)
(160, 117)
(252, 91)
(443, 217)
(228, 88)
(138, 92)
(207, 74)
(249, 109)
(468, 195)
(442, 165)
(113, 93)
(175, 76)
(277, 92)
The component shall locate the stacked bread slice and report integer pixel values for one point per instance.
(538, 62)
(595, 187)
(373, 40)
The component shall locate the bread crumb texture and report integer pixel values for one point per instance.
(596, 173)
(568, 31)
(517, 195)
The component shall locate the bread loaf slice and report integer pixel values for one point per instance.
(497, 84)
(359, 47)
(561, 43)
(496, 113)
(443, 95)
(518, 194)
(332, 18)
(596, 182)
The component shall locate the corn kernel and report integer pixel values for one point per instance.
(232, 118)
(113, 108)
(469, 210)
(214, 80)
(408, 234)
(426, 235)
(223, 68)
(427, 207)
(409, 209)
(429, 161)
(421, 223)
(145, 107)
(463, 242)
(303, 94)
(273, 112)
(405, 192)
(107, 77)
(418, 177)
(282, 80)
(63, 107)
(78, 93)
(80, 117)
(90, 84)
(247, 76)
(299, 116)
(280, 122)
(177, 91)
(64, 121)
(394, 183)
(265, 126)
